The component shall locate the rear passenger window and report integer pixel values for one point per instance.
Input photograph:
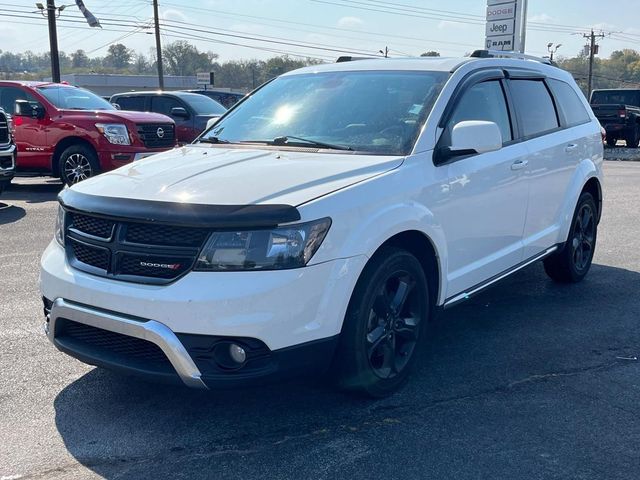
(535, 106)
(484, 101)
(570, 103)
(131, 103)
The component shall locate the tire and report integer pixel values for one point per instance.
(611, 142)
(379, 340)
(77, 163)
(633, 139)
(573, 262)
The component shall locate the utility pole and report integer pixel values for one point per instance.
(53, 41)
(385, 52)
(158, 45)
(593, 50)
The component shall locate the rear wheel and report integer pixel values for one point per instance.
(572, 264)
(385, 322)
(633, 139)
(77, 163)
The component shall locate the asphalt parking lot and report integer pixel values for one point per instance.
(529, 380)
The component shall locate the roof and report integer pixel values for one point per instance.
(439, 64)
(173, 93)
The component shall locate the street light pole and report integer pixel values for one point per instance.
(158, 45)
(53, 41)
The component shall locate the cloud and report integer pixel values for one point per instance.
(350, 22)
(173, 14)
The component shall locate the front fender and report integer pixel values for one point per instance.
(368, 214)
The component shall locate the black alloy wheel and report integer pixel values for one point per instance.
(384, 325)
(583, 238)
(572, 262)
(393, 326)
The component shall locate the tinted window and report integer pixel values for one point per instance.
(570, 103)
(164, 104)
(484, 101)
(9, 95)
(204, 105)
(618, 97)
(131, 103)
(534, 103)
(373, 111)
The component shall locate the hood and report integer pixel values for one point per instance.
(207, 174)
(119, 115)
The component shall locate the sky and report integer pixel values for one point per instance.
(324, 29)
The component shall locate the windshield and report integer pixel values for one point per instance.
(368, 111)
(74, 98)
(203, 105)
(618, 97)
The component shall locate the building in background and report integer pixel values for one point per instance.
(108, 84)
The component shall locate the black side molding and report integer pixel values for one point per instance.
(181, 214)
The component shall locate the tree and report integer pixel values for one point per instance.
(182, 58)
(430, 53)
(118, 56)
(79, 59)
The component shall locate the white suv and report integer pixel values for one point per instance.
(324, 220)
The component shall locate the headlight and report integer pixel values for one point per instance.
(10, 125)
(116, 133)
(60, 225)
(280, 248)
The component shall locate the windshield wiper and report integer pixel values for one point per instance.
(285, 139)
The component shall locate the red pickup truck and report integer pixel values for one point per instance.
(71, 133)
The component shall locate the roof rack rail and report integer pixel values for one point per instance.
(346, 58)
(501, 54)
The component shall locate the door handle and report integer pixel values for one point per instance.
(570, 148)
(519, 164)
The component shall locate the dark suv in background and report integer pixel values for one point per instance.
(190, 111)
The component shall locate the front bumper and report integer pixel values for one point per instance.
(7, 163)
(290, 319)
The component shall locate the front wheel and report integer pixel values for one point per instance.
(572, 264)
(77, 163)
(384, 324)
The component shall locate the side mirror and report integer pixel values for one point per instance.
(25, 108)
(117, 106)
(179, 112)
(473, 137)
(211, 122)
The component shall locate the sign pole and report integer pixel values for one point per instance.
(523, 23)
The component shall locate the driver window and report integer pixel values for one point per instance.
(484, 101)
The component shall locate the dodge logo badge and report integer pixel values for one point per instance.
(160, 132)
(166, 266)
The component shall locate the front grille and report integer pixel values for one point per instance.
(115, 346)
(166, 235)
(97, 227)
(157, 135)
(91, 255)
(131, 251)
(4, 129)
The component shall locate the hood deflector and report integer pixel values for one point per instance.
(182, 214)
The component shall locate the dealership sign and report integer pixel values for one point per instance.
(505, 25)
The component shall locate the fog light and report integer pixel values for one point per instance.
(237, 353)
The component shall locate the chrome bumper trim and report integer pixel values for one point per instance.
(149, 330)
